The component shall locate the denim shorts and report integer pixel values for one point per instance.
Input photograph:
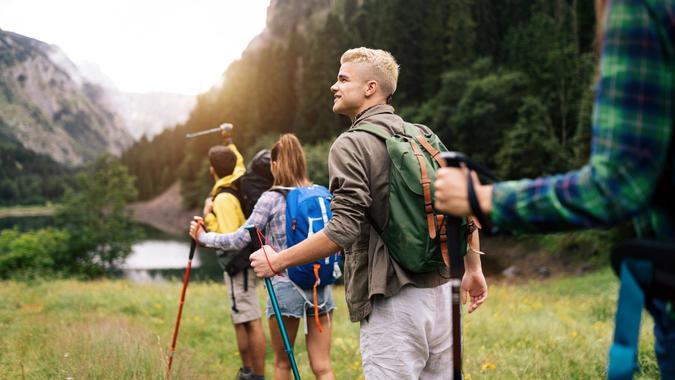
(292, 304)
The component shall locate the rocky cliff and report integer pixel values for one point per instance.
(48, 106)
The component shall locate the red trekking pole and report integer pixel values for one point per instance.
(193, 246)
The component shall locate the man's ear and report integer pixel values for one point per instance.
(371, 88)
(212, 171)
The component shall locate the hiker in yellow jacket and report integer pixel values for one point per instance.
(223, 214)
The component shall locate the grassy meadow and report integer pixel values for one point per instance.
(113, 329)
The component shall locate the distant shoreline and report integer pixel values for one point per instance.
(163, 212)
(22, 211)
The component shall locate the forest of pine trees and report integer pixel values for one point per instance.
(29, 178)
(503, 81)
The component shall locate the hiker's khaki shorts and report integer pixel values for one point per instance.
(408, 336)
(246, 303)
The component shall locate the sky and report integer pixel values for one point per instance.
(178, 46)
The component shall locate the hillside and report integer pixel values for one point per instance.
(165, 212)
(488, 77)
(47, 106)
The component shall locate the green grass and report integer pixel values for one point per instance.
(116, 330)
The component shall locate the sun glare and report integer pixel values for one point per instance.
(175, 46)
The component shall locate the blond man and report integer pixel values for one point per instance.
(404, 317)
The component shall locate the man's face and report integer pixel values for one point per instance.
(349, 92)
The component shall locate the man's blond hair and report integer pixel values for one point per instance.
(384, 68)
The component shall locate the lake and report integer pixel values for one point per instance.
(156, 257)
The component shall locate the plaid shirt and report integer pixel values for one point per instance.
(269, 214)
(630, 171)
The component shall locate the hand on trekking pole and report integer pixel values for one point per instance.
(265, 265)
(452, 194)
(474, 286)
(196, 228)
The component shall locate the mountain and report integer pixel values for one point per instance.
(50, 108)
(142, 113)
(150, 113)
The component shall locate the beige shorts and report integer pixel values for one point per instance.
(244, 305)
(414, 324)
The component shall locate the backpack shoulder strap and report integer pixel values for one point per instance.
(373, 130)
(227, 190)
(281, 190)
(419, 133)
(420, 128)
(384, 136)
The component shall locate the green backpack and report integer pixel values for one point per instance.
(415, 233)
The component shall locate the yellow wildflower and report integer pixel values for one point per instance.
(487, 365)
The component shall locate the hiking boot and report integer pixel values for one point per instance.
(245, 374)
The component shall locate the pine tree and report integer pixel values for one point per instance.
(461, 34)
(530, 149)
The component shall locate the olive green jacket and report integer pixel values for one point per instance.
(358, 168)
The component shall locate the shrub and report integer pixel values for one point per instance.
(96, 216)
(32, 254)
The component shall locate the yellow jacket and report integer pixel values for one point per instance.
(226, 215)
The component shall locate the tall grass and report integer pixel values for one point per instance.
(559, 329)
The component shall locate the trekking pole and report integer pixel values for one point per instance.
(456, 262)
(257, 244)
(225, 127)
(186, 277)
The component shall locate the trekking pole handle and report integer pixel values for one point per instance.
(254, 237)
(223, 128)
(458, 159)
(455, 159)
(193, 244)
(193, 248)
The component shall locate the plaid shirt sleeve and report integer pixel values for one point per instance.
(262, 214)
(632, 131)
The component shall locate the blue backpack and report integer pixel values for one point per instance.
(307, 212)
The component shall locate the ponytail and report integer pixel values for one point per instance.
(291, 169)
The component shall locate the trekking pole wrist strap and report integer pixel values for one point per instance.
(269, 263)
(474, 205)
(258, 240)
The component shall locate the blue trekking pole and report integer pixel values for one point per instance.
(257, 244)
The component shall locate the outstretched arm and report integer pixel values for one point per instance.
(313, 248)
(261, 215)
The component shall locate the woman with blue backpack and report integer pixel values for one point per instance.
(285, 215)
